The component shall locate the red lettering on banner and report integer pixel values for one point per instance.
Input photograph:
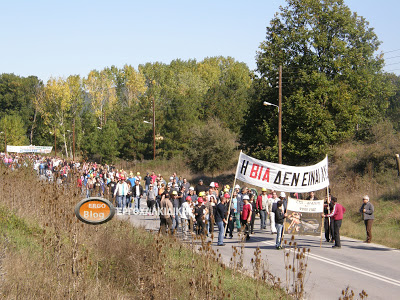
(259, 174)
(266, 175)
(254, 171)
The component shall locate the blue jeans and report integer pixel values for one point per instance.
(175, 222)
(128, 201)
(221, 233)
(121, 202)
(137, 203)
(279, 229)
(263, 216)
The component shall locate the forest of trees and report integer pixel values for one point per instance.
(334, 89)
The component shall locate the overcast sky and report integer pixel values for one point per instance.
(62, 38)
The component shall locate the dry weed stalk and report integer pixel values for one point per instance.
(296, 260)
(348, 294)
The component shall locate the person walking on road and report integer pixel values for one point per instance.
(337, 214)
(221, 220)
(165, 215)
(137, 194)
(200, 212)
(274, 200)
(186, 215)
(245, 216)
(367, 211)
(279, 218)
(262, 207)
(120, 192)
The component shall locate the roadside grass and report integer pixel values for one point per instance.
(46, 253)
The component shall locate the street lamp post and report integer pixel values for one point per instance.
(279, 106)
(279, 128)
(154, 136)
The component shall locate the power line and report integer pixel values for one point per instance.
(391, 51)
(392, 57)
(392, 64)
(392, 70)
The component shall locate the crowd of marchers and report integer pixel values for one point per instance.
(181, 206)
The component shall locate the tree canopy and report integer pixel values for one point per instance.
(333, 82)
(333, 87)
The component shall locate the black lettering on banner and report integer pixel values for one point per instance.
(324, 175)
(312, 178)
(295, 179)
(316, 176)
(304, 179)
(244, 167)
(285, 178)
(278, 178)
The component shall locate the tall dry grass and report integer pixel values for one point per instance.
(46, 253)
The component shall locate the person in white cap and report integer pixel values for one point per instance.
(245, 216)
(187, 216)
(284, 200)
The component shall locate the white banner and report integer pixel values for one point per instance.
(29, 149)
(304, 217)
(281, 177)
(305, 206)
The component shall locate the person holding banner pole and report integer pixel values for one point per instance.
(328, 222)
(337, 214)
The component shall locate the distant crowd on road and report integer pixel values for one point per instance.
(182, 206)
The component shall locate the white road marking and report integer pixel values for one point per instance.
(349, 267)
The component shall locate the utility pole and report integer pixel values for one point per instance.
(280, 117)
(154, 130)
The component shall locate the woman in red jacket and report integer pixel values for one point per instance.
(337, 216)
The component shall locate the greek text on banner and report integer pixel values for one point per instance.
(282, 177)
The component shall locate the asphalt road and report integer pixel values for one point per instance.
(370, 267)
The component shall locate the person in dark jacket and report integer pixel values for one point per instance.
(199, 212)
(220, 219)
(328, 222)
(137, 194)
(254, 211)
(231, 216)
(279, 218)
(367, 211)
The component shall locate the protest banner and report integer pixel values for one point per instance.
(29, 149)
(282, 177)
(304, 217)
